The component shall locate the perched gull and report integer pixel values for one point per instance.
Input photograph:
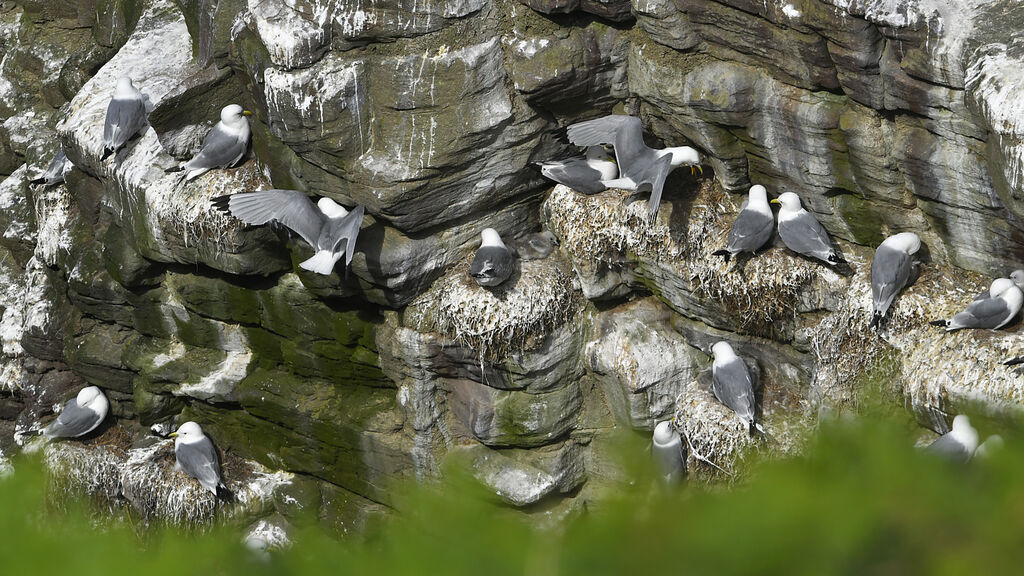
(582, 174)
(54, 174)
(126, 115)
(1018, 278)
(223, 147)
(328, 227)
(753, 227)
(667, 450)
(196, 456)
(891, 270)
(802, 233)
(640, 168)
(492, 263)
(733, 385)
(957, 444)
(80, 416)
(536, 246)
(1004, 301)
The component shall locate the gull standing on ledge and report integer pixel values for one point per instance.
(667, 450)
(492, 263)
(126, 115)
(54, 174)
(890, 271)
(223, 147)
(328, 227)
(640, 167)
(195, 455)
(80, 416)
(753, 227)
(802, 233)
(1004, 301)
(957, 444)
(732, 384)
(582, 174)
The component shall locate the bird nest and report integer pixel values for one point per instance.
(517, 315)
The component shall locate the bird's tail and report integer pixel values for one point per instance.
(876, 319)
(835, 258)
(37, 181)
(322, 263)
(177, 168)
(943, 323)
(224, 494)
(724, 253)
(106, 153)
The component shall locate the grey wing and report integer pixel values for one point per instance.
(200, 461)
(626, 133)
(750, 231)
(890, 271)
(947, 447)
(805, 235)
(219, 150)
(574, 173)
(491, 261)
(988, 313)
(345, 229)
(73, 421)
(124, 118)
(289, 207)
(654, 175)
(132, 118)
(734, 387)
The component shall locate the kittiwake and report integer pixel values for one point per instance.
(802, 233)
(536, 246)
(957, 444)
(640, 168)
(733, 385)
(890, 271)
(224, 146)
(1003, 303)
(582, 174)
(753, 227)
(492, 263)
(196, 456)
(54, 174)
(667, 450)
(81, 415)
(328, 227)
(126, 115)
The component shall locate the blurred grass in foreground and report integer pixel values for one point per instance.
(862, 501)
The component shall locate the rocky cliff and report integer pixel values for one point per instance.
(883, 115)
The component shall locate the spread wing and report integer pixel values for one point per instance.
(626, 133)
(653, 176)
(345, 230)
(200, 461)
(220, 150)
(289, 207)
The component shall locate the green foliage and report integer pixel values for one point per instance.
(862, 501)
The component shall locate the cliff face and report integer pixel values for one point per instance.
(884, 116)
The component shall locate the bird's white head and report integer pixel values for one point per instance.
(964, 433)
(999, 286)
(330, 208)
(904, 241)
(233, 115)
(789, 201)
(1018, 278)
(124, 88)
(664, 433)
(722, 352)
(684, 155)
(489, 237)
(90, 396)
(758, 196)
(188, 433)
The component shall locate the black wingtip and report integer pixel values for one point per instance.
(37, 181)
(1014, 361)
(938, 323)
(834, 258)
(173, 169)
(224, 494)
(222, 203)
(876, 319)
(106, 153)
(723, 253)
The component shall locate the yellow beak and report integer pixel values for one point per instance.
(694, 168)
(246, 113)
(774, 201)
(172, 435)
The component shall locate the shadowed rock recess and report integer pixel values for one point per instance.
(883, 115)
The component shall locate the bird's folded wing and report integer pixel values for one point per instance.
(220, 148)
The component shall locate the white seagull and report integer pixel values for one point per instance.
(582, 174)
(890, 271)
(492, 263)
(753, 227)
(81, 415)
(1004, 301)
(802, 233)
(667, 450)
(224, 146)
(957, 444)
(126, 115)
(733, 385)
(195, 454)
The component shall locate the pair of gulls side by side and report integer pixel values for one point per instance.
(637, 167)
(991, 309)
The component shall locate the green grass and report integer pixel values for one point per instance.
(862, 501)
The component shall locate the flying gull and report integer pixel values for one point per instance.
(753, 227)
(80, 415)
(957, 444)
(891, 270)
(223, 147)
(640, 167)
(328, 227)
(583, 174)
(492, 263)
(802, 233)
(667, 450)
(733, 385)
(1004, 301)
(54, 174)
(196, 456)
(126, 115)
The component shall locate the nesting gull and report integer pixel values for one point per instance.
(328, 227)
(195, 455)
(126, 115)
(733, 385)
(640, 167)
(802, 233)
(753, 227)
(582, 174)
(536, 246)
(492, 263)
(81, 415)
(54, 174)
(223, 147)
(890, 271)
(667, 450)
(1004, 301)
(957, 444)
